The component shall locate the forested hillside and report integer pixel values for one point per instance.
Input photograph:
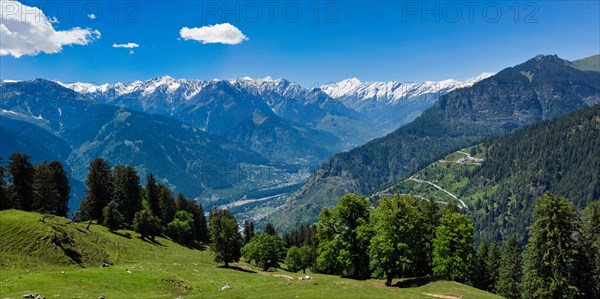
(541, 88)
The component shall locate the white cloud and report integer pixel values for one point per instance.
(127, 45)
(220, 33)
(131, 52)
(91, 16)
(26, 30)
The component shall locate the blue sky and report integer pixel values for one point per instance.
(371, 40)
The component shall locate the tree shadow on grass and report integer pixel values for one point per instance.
(124, 235)
(414, 282)
(237, 268)
(153, 242)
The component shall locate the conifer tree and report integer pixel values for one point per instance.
(510, 274)
(99, 191)
(21, 173)
(430, 211)
(151, 193)
(552, 250)
(481, 277)
(45, 194)
(492, 264)
(61, 182)
(127, 192)
(248, 231)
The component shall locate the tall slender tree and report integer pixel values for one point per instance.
(588, 265)
(45, 194)
(151, 193)
(481, 277)
(61, 182)
(492, 264)
(552, 248)
(4, 203)
(21, 173)
(127, 192)
(166, 204)
(510, 274)
(248, 231)
(99, 191)
(397, 228)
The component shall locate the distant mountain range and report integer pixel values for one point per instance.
(541, 88)
(219, 140)
(248, 143)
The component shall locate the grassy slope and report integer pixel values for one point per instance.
(591, 63)
(448, 173)
(30, 262)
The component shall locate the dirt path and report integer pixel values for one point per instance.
(243, 266)
(464, 205)
(442, 296)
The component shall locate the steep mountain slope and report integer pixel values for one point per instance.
(591, 63)
(392, 104)
(541, 88)
(235, 110)
(506, 173)
(182, 156)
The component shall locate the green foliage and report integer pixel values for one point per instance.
(191, 206)
(181, 229)
(300, 258)
(492, 264)
(452, 251)
(430, 212)
(61, 183)
(226, 241)
(293, 259)
(561, 156)
(551, 251)
(127, 192)
(20, 176)
(4, 203)
(145, 223)
(270, 229)
(511, 270)
(113, 219)
(265, 249)
(46, 197)
(166, 204)
(591, 245)
(151, 194)
(302, 235)
(99, 191)
(397, 231)
(481, 275)
(344, 234)
(248, 231)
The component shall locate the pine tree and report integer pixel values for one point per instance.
(270, 229)
(45, 194)
(397, 228)
(151, 194)
(166, 204)
(99, 191)
(481, 278)
(551, 251)
(61, 183)
(4, 203)
(452, 247)
(248, 231)
(588, 266)
(511, 270)
(21, 173)
(112, 217)
(492, 264)
(127, 192)
(226, 241)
